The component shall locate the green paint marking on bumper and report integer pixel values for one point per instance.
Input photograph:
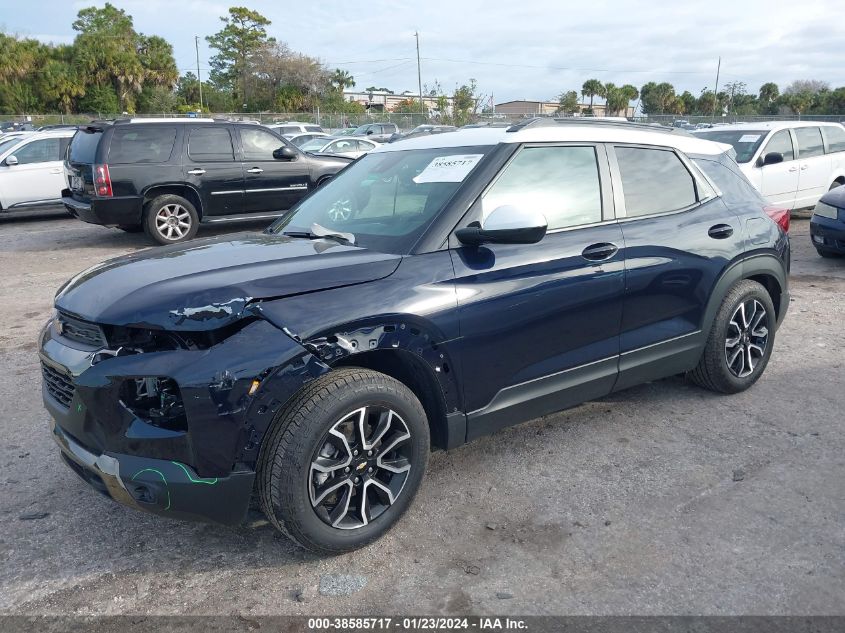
(196, 480)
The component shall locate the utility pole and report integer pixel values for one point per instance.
(716, 91)
(419, 76)
(199, 78)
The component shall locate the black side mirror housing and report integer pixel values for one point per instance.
(505, 225)
(772, 158)
(285, 153)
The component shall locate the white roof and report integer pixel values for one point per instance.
(767, 125)
(563, 132)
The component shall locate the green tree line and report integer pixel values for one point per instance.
(805, 96)
(110, 68)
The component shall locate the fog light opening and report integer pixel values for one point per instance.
(157, 400)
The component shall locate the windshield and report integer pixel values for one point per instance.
(386, 200)
(9, 142)
(314, 145)
(745, 142)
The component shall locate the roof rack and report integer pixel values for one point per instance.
(551, 122)
(124, 121)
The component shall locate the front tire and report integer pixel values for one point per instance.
(170, 219)
(343, 460)
(828, 254)
(740, 342)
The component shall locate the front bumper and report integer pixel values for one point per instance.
(203, 472)
(167, 488)
(828, 234)
(116, 211)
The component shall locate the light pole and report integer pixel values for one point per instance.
(419, 76)
(199, 77)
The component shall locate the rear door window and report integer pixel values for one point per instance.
(781, 142)
(142, 145)
(835, 138)
(809, 142)
(654, 181)
(40, 151)
(211, 144)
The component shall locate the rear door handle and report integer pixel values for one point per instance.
(255, 170)
(803, 167)
(599, 252)
(56, 171)
(793, 169)
(197, 172)
(720, 231)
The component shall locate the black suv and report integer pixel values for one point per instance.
(168, 176)
(435, 291)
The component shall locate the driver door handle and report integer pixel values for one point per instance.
(254, 170)
(793, 169)
(197, 172)
(599, 252)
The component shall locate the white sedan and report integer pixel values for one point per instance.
(344, 146)
(32, 169)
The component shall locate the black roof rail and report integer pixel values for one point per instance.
(551, 122)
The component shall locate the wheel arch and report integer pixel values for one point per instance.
(766, 269)
(185, 191)
(415, 374)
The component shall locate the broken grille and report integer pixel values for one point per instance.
(58, 384)
(81, 331)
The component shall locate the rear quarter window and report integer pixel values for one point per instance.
(142, 145)
(835, 138)
(83, 146)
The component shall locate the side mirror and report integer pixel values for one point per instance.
(285, 153)
(772, 158)
(506, 225)
(11, 160)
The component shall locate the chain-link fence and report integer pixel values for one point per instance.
(668, 119)
(328, 120)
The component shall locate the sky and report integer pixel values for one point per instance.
(515, 50)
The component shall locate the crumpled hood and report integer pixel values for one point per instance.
(206, 284)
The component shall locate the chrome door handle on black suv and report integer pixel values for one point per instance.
(254, 170)
(599, 252)
(197, 172)
(720, 231)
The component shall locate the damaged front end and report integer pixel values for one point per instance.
(170, 421)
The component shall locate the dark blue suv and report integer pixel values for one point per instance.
(434, 291)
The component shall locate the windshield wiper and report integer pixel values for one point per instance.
(319, 231)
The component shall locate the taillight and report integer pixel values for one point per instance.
(102, 181)
(779, 215)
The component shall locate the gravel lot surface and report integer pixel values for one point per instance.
(663, 499)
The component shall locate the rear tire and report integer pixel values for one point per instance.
(835, 184)
(170, 219)
(828, 254)
(740, 342)
(329, 486)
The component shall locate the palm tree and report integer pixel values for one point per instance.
(342, 79)
(591, 88)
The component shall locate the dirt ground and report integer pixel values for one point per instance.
(663, 499)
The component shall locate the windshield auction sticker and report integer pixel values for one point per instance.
(749, 138)
(448, 168)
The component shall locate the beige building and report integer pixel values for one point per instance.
(548, 108)
(386, 102)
